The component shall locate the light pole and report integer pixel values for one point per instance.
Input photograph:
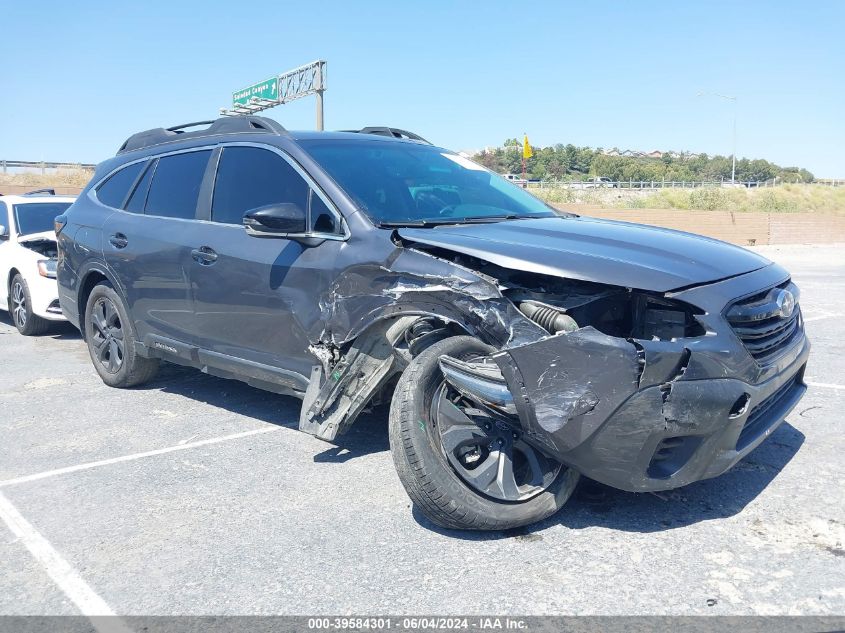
(729, 98)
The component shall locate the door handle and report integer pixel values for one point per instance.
(204, 255)
(118, 240)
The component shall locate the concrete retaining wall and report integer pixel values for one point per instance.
(745, 229)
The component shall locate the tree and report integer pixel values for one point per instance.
(562, 161)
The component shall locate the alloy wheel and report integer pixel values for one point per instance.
(107, 336)
(486, 452)
(19, 308)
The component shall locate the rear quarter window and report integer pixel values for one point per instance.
(176, 185)
(113, 191)
(138, 199)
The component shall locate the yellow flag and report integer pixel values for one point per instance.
(526, 148)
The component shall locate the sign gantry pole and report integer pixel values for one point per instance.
(293, 84)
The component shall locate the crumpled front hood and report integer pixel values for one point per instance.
(589, 249)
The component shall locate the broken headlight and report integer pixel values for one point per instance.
(561, 306)
(663, 320)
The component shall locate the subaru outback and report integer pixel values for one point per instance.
(519, 346)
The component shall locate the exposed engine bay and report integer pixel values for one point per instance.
(563, 305)
(46, 247)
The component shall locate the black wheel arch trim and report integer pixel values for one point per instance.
(84, 273)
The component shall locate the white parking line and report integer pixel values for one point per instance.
(826, 385)
(65, 576)
(134, 456)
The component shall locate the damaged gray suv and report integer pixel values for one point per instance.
(520, 347)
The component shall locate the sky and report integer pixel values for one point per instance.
(77, 78)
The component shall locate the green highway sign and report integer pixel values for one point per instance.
(268, 89)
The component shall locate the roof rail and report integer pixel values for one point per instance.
(43, 192)
(223, 125)
(395, 132)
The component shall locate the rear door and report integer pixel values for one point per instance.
(147, 245)
(257, 298)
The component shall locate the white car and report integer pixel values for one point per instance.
(599, 182)
(28, 259)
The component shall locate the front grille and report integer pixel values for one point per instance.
(766, 413)
(760, 325)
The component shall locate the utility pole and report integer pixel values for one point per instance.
(733, 153)
(733, 162)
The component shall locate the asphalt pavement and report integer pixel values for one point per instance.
(197, 495)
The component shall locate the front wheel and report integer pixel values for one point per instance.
(464, 467)
(20, 309)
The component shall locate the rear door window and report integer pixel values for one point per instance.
(113, 191)
(176, 185)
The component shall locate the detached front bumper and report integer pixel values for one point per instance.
(648, 415)
(645, 416)
(704, 428)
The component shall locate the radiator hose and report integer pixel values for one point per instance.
(552, 319)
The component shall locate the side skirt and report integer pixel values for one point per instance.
(259, 375)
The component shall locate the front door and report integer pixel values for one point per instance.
(257, 298)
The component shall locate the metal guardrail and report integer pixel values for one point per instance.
(6, 165)
(664, 184)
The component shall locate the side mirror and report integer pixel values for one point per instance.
(4, 232)
(275, 220)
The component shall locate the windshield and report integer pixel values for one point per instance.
(405, 183)
(37, 217)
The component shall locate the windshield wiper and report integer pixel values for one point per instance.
(422, 223)
(405, 223)
(485, 219)
(509, 216)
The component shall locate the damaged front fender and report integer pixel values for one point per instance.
(367, 309)
(415, 283)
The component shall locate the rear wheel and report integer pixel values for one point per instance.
(20, 309)
(111, 341)
(465, 467)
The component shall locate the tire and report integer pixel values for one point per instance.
(431, 480)
(20, 309)
(111, 341)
